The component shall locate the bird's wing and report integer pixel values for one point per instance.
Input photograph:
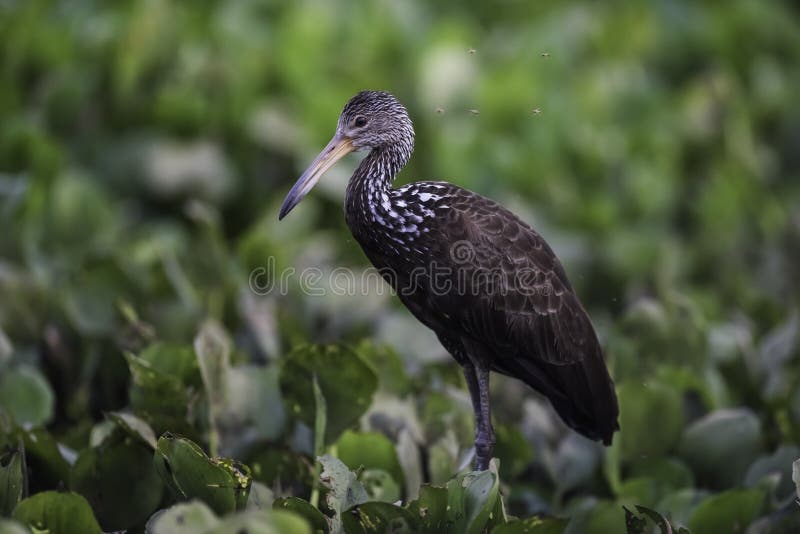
(506, 283)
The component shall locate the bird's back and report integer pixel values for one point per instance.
(476, 274)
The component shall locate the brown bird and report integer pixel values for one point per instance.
(483, 280)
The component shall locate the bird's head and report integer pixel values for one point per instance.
(371, 120)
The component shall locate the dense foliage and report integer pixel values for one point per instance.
(161, 364)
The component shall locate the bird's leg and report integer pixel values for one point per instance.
(478, 382)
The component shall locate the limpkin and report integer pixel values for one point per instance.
(483, 280)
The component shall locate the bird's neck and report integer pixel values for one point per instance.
(367, 200)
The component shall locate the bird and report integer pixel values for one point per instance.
(486, 283)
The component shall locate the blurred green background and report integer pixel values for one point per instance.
(146, 146)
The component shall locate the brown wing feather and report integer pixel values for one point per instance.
(512, 299)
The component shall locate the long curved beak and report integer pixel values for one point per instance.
(339, 147)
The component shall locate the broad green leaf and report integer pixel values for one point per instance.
(380, 485)
(47, 468)
(644, 490)
(154, 392)
(641, 525)
(604, 517)
(302, 508)
(9, 526)
(779, 464)
(134, 426)
(431, 508)
(260, 497)
(409, 458)
(471, 498)
(392, 375)
(26, 395)
(346, 381)
(212, 347)
(514, 449)
(720, 446)
(276, 466)
(378, 518)
(731, 511)
(345, 491)
(371, 450)
(64, 513)
(651, 419)
(678, 506)
(532, 525)
(575, 462)
(634, 524)
(182, 518)
(783, 521)
(221, 483)
(262, 522)
(669, 474)
(12, 479)
(178, 361)
(443, 459)
(254, 396)
(119, 481)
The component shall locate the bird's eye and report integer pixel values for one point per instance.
(360, 121)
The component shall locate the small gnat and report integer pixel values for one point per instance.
(471, 51)
(440, 110)
(545, 54)
(475, 111)
(536, 111)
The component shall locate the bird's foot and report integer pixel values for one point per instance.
(484, 445)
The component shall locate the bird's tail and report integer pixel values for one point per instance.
(582, 392)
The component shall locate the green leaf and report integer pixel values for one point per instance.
(345, 491)
(119, 481)
(471, 498)
(633, 523)
(443, 458)
(431, 508)
(212, 347)
(182, 518)
(134, 426)
(47, 468)
(679, 505)
(262, 522)
(778, 464)
(154, 392)
(669, 474)
(221, 483)
(178, 361)
(720, 446)
(26, 395)
(378, 518)
(730, 512)
(346, 382)
(9, 526)
(604, 517)
(575, 462)
(532, 525)
(514, 449)
(260, 497)
(651, 419)
(409, 457)
(305, 510)
(64, 513)
(12, 479)
(640, 525)
(380, 485)
(371, 450)
(254, 395)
